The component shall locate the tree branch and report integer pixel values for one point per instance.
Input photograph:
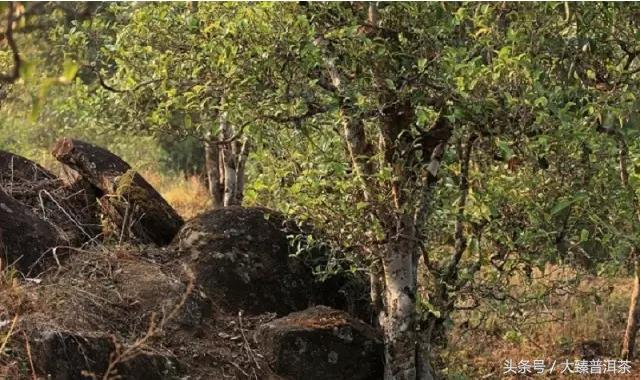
(107, 87)
(8, 35)
(312, 110)
(464, 185)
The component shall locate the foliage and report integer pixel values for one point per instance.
(547, 93)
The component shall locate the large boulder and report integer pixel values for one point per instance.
(321, 343)
(62, 355)
(129, 201)
(25, 239)
(69, 205)
(241, 257)
(16, 170)
(120, 291)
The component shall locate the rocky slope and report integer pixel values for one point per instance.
(225, 299)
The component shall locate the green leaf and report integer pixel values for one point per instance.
(504, 53)
(565, 203)
(69, 70)
(541, 102)
(27, 70)
(591, 74)
(584, 235)
(361, 205)
(390, 84)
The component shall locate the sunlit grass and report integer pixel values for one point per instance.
(188, 195)
(557, 331)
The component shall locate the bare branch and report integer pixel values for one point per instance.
(107, 87)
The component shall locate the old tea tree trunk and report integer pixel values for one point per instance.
(632, 325)
(225, 158)
(398, 322)
(400, 218)
(395, 162)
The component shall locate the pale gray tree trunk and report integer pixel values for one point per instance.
(399, 324)
(225, 162)
(212, 167)
(229, 164)
(632, 325)
(395, 291)
(242, 155)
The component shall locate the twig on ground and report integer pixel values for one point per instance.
(246, 346)
(28, 346)
(122, 354)
(6, 338)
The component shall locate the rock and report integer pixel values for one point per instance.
(130, 202)
(63, 355)
(590, 350)
(17, 169)
(134, 291)
(321, 343)
(241, 257)
(70, 206)
(25, 239)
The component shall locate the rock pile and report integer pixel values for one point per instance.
(220, 296)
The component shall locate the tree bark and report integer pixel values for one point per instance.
(228, 161)
(632, 326)
(240, 171)
(212, 166)
(629, 338)
(400, 302)
(360, 150)
(376, 293)
(460, 240)
(125, 190)
(225, 161)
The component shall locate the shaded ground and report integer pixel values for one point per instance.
(117, 294)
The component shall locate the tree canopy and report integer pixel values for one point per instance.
(448, 144)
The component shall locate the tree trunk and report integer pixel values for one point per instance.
(212, 167)
(225, 165)
(400, 302)
(228, 161)
(629, 338)
(632, 326)
(240, 171)
(376, 293)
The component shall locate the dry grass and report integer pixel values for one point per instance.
(189, 196)
(130, 294)
(15, 300)
(595, 316)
